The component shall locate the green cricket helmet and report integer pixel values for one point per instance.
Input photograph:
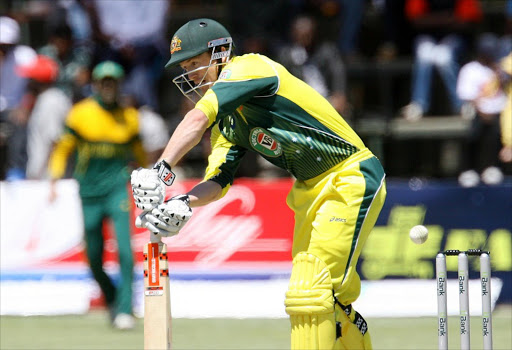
(192, 39)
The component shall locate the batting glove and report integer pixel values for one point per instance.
(168, 218)
(148, 185)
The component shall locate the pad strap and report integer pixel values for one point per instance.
(356, 318)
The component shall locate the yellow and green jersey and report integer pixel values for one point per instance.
(258, 105)
(104, 143)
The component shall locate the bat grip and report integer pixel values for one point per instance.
(155, 238)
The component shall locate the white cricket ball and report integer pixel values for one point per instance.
(418, 234)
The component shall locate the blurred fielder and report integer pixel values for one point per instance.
(104, 137)
(252, 103)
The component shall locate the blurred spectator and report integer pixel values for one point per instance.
(506, 116)
(396, 31)
(315, 61)
(132, 33)
(259, 25)
(153, 129)
(15, 102)
(105, 138)
(340, 20)
(73, 61)
(351, 16)
(46, 120)
(508, 20)
(52, 13)
(77, 17)
(12, 86)
(443, 31)
(16, 142)
(506, 38)
(153, 132)
(479, 84)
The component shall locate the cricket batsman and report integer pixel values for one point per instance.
(253, 104)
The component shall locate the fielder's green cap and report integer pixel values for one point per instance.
(196, 37)
(108, 69)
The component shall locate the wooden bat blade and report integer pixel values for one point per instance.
(157, 297)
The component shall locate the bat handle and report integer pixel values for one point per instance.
(155, 238)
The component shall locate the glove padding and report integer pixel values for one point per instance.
(168, 218)
(147, 188)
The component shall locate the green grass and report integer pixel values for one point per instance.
(92, 331)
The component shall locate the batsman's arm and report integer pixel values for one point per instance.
(187, 135)
(148, 184)
(204, 193)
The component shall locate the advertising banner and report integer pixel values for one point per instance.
(248, 235)
(250, 228)
(456, 217)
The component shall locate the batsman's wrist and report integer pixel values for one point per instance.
(182, 197)
(164, 172)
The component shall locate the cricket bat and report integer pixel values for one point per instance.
(157, 296)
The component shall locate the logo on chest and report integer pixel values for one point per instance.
(264, 143)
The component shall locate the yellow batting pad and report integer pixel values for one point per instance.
(310, 304)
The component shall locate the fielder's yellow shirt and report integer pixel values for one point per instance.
(104, 142)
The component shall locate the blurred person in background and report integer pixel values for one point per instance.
(396, 31)
(74, 14)
(132, 33)
(253, 104)
(12, 54)
(15, 102)
(443, 32)
(105, 138)
(506, 116)
(46, 119)
(316, 61)
(153, 129)
(153, 132)
(340, 19)
(506, 38)
(480, 85)
(351, 17)
(73, 61)
(260, 25)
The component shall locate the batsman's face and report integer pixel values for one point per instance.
(198, 70)
(200, 73)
